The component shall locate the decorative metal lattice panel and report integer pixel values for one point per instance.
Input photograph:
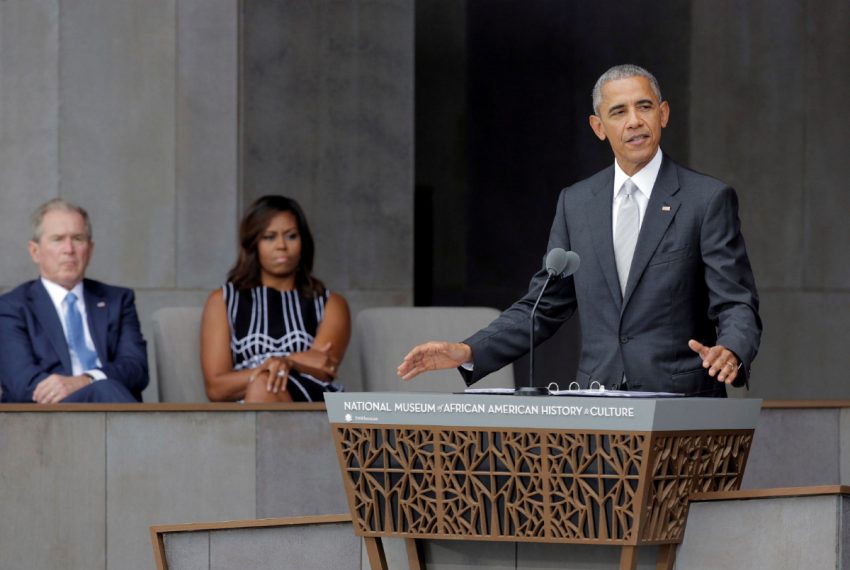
(493, 483)
(686, 464)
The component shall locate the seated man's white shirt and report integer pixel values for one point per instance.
(57, 295)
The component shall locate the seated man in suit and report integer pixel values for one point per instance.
(665, 293)
(64, 338)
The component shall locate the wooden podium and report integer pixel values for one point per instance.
(559, 469)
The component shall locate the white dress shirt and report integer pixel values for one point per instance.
(644, 180)
(57, 295)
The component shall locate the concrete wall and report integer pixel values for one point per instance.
(129, 109)
(132, 109)
(85, 487)
(800, 447)
(765, 83)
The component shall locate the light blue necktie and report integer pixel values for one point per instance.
(76, 335)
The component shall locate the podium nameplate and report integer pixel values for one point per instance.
(559, 412)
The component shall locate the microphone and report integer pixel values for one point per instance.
(562, 263)
(559, 263)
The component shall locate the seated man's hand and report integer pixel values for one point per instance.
(434, 355)
(56, 388)
(719, 360)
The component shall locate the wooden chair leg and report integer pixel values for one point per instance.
(666, 557)
(628, 558)
(415, 561)
(375, 551)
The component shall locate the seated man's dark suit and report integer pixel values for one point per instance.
(33, 345)
(690, 278)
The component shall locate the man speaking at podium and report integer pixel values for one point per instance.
(665, 292)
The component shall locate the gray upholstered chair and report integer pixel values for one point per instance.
(386, 334)
(177, 342)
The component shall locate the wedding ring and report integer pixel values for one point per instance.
(281, 374)
(730, 364)
(332, 368)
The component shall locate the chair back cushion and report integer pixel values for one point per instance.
(177, 345)
(386, 335)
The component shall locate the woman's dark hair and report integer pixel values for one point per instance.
(245, 274)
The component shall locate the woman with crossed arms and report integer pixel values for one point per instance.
(273, 332)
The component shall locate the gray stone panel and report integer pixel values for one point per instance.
(187, 550)
(116, 133)
(827, 201)
(328, 120)
(297, 468)
(795, 448)
(52, 481)
(803, 354)
(458, 554)
(368, 159)
(395, 551)
(779, 534)
(536, 556)
(207, 140)
(844, 447)
(748, 122)
(282, 99)
(286, 548)
(29, 107)
(148, 301)
(844, 536)
(169, 468)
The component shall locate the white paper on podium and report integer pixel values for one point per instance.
(489, 391)
(592, 392)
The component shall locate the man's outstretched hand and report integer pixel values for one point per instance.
(719, 360)
(434, 355)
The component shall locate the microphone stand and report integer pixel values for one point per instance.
(531, 389)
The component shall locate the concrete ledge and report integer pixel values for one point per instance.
(85, 482)
(81, 485)
(296, 542)
(780, 529)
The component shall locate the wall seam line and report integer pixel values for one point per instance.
(176, 133)
(105, 491)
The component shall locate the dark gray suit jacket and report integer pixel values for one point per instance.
(690, 278)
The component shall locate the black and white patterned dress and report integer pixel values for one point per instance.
(266, 322)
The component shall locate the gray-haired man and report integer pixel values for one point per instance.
(64, 338)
